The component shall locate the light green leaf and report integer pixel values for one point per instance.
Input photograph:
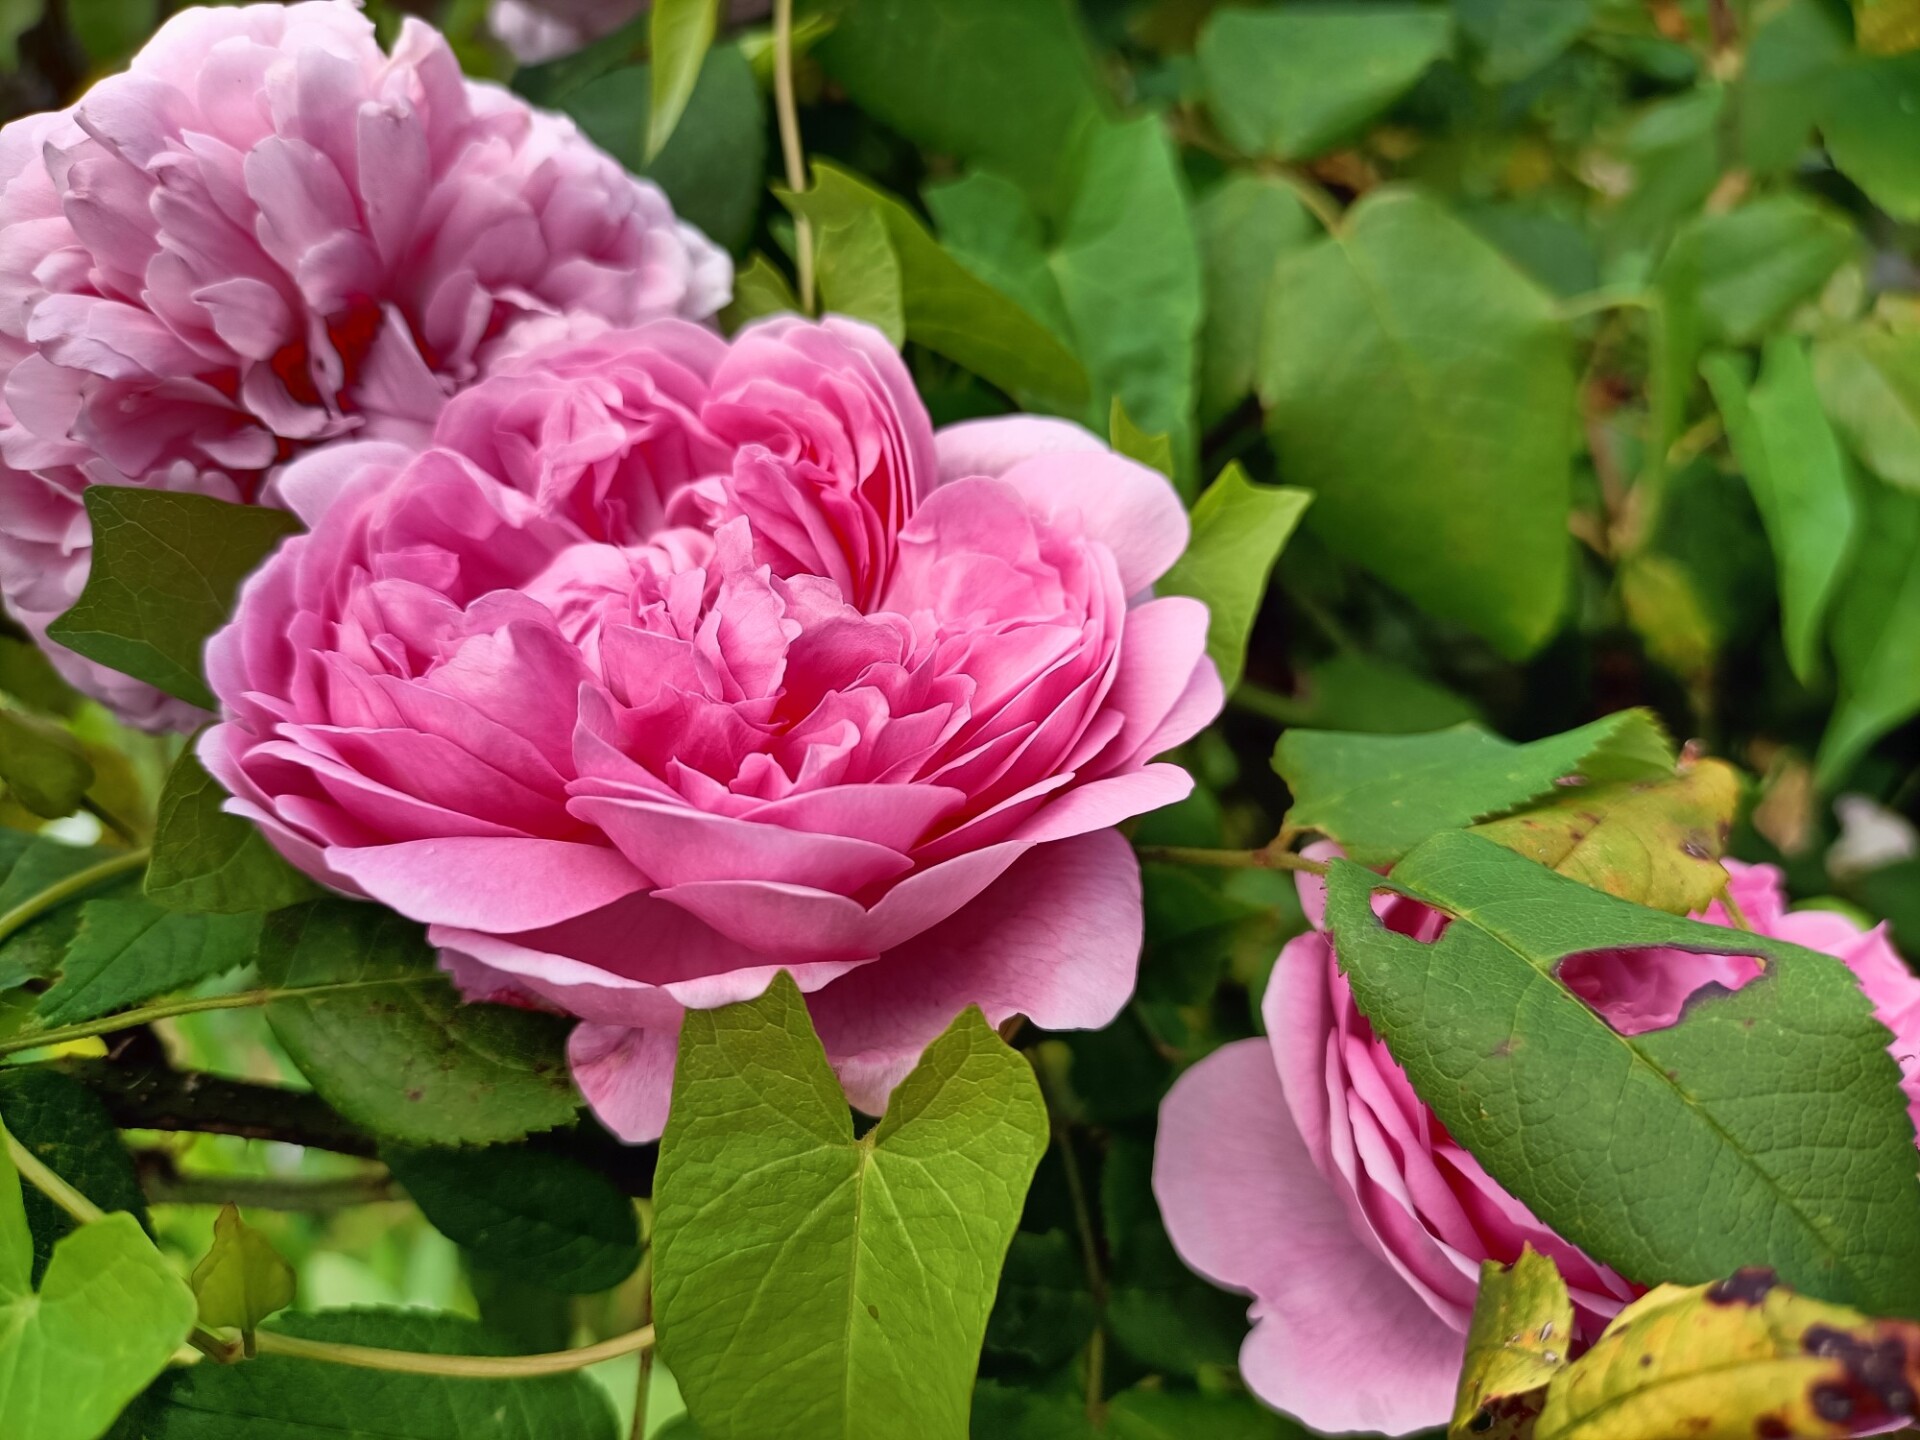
(1354, 691)
(70, 1132)
(1870, 117)
(1741, 272)
(1798, 476)
(41, 765)
(1128, 439)
(1515, 38)
(1766, 1126)
(858, 1274)
(242, 1279)
(1869, 382)
(207, 860)
(525, 1211)
(105, 1320)
(679, 35)
(942, 304)
(1793, 49)
(129, 950)
(759, 288)
(1434, 423)
(274, 1397)
(165, 570)
(1876, 631)
(1005, 83)
(1381, 795)
(1244, 224)
(1521, 1332)
(858, 269)
(1239, 530)
(399, 1053)
(1290, 82)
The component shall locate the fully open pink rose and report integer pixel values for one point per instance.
(266, 235)
(1303, 1169)
(676, 663)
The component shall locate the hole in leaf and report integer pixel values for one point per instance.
(1410, 918)
(1646, 988)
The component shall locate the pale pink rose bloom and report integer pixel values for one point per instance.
(676, 663)
(267, 235)
(1303, 1170)
(537, 30)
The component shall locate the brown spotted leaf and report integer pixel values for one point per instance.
(1654, 842)
(1741, 1357)
(1522, 1323)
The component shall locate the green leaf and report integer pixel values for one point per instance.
(106, 1318)
(525, 1211)
(1381, 795)
(1518, 1341)
(1244, 225)
(1289, 83)
(29, 677)
(1654, 842)
(1239, 530)
(1118, 274)
(1767, 1125)
(165, 569)
(69, 1131)
(399, 1053)
(1004, 83)
(29, 867)
(1869, 115)
(1147, 1413)
(242, 1279)
(1876, 631)
(41, 765)
(1798, 476)
(1433, 422)
(858, 1274)
(17, 17)
(680, 34)
(274, 1397)
(1792, 52)
(1869, 382)
(1353, 691)
(1738, 274)
(130, 950)
(858, 270)
(1043, 1312)
(1515, 38)
(207, 860)
(942, 304)
(759, 288)
(1128, 439)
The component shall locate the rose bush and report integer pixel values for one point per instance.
(1303, 1169)
(267, 235)
(675, 662)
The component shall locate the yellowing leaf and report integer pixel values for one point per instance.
(1887, 27)
(1741, 1357)
(1655, 842)
(1522, 1325)
(242, 1280)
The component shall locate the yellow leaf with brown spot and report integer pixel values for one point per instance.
(1522, 1326)
(1743, 1357)
(1654, 842)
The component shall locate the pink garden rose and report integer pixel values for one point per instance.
(1303, 1169)
(675, 663)
(266, 235)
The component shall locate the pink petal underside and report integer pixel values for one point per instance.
(1339, 1340)
(502, 885)
(994, 446)
(626, 1075)
(1132, 510)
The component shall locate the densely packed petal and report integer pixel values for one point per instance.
(1303, 1169)
(267, 235)
(698, 653)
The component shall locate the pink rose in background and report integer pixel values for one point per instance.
(675, 663)
(536, 30)
(1303, 1169)
(267, 235)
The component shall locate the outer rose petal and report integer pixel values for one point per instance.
(488, 884)
(1131, 509)
(626, 1075)
(994, 446)
(1339, 1341)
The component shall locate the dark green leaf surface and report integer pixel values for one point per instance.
(89, 1336)
(1766, 1127)
(1876, 631)
(70, 1132)
(130, 950)
(1797, 473)
(1290, 82)
(274, 1397)
(205, 859)
(41, 765)
(399, 1053)
(857, 1273)
(29, 865)
(1515, 38)
(1432, 422)
(1381, 795)
(525, 1211)
(1043, 1311)
(1870, 117)
(166, 567)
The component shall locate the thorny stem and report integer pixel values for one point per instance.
(790, 150)
(1269, 857)
(34, 906)
(165, 1184)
